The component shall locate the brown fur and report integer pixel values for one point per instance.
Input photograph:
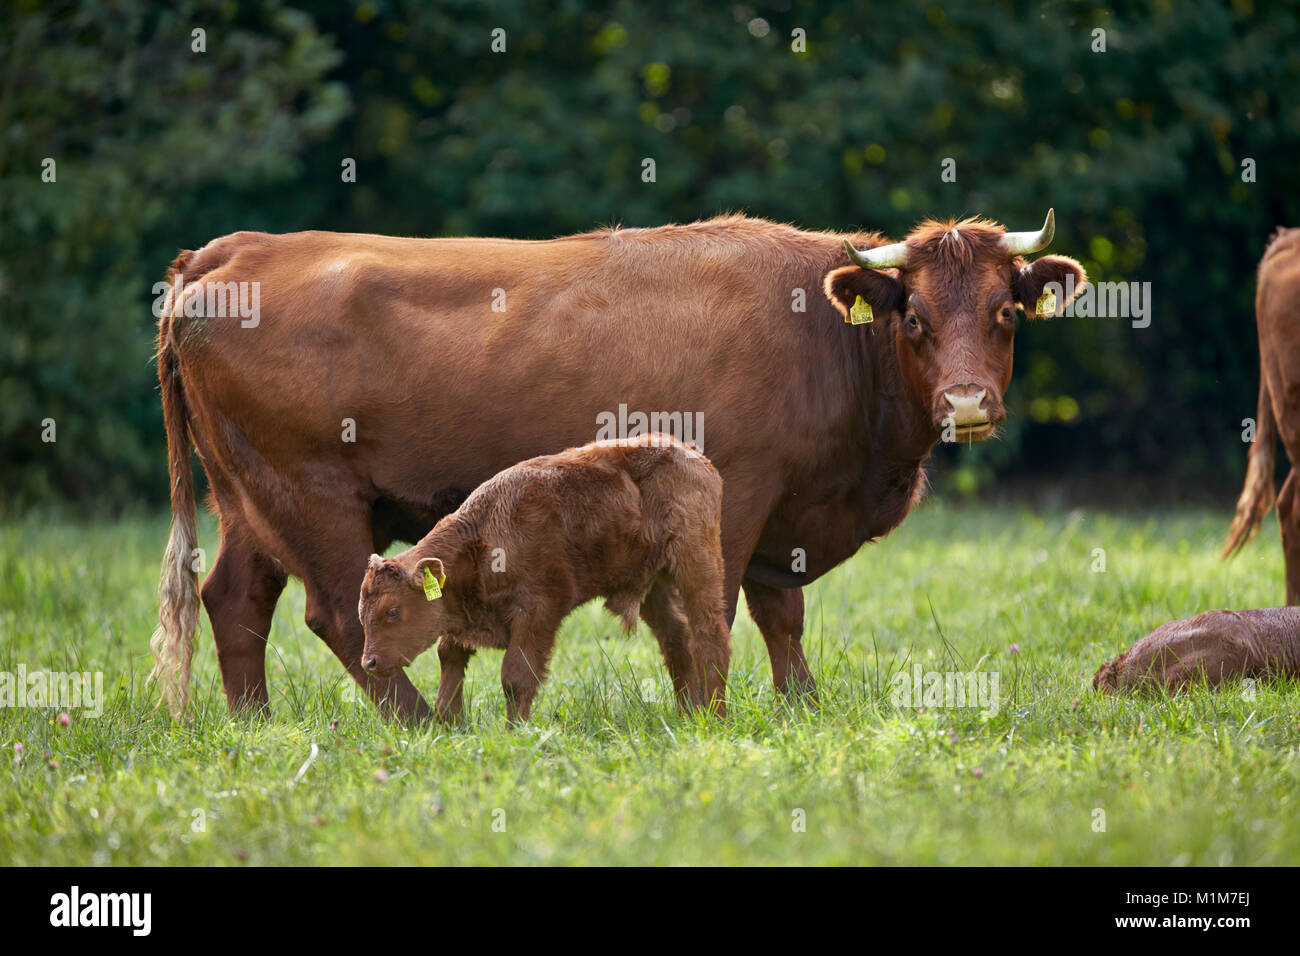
(963, 291)
(1215, 646)
(636, 522)
(819, 428)
(1277, 317)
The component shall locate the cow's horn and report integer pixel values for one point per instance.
(892, 256)
(1023, 243)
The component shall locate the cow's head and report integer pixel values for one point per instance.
(400, 618)
(946, 296)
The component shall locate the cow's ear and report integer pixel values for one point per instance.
(1033, 278)
(881, 289)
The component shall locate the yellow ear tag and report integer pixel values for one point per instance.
(432, 588)
(861, 314)
(1046, 304)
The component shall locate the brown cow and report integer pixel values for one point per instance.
(385, 378)
(637, 522)
(1214, 647)
(1277, 316)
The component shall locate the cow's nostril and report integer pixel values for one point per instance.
(968, 407)
(974, 399)
(369, 665)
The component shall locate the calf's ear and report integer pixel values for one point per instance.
(435, 566)
(880, 289)
(1065, 276)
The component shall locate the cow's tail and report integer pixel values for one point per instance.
(178, 586)
(1258, 493)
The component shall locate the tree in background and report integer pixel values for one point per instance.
(152, 143)
(814, 113)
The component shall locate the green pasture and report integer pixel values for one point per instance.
(609, 772)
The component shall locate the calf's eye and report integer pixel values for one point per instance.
(392, 613)
(1005, 314)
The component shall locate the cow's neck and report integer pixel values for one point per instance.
(898, 427)
(874, 441)
(896, 438)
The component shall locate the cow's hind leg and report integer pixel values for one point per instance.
(1288, 516)
(240, 593)
(778, 612)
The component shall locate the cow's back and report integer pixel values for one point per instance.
(417, 368)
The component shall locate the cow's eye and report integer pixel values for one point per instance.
(393, 613)
(913, 322)
(1005, 314)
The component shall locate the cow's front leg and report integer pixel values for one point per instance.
(778, 612)
(332, 578)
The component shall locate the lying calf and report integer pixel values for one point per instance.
(636, 522)
(1220, 645)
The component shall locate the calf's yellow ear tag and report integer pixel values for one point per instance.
(861, 313)
(1046, 304)
(432, 586)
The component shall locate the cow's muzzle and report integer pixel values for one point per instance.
(966, 410)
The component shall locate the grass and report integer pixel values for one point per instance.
(609, 772)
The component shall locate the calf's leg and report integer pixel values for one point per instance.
(663, 613)
(697, 575)
(452, 660)
(527, 658)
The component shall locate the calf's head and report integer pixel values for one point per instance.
(401, 618)
(946, 299)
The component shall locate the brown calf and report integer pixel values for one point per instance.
(1277, 316)
(1216, 646)
(636, 522)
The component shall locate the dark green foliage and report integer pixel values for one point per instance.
(158, 148)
